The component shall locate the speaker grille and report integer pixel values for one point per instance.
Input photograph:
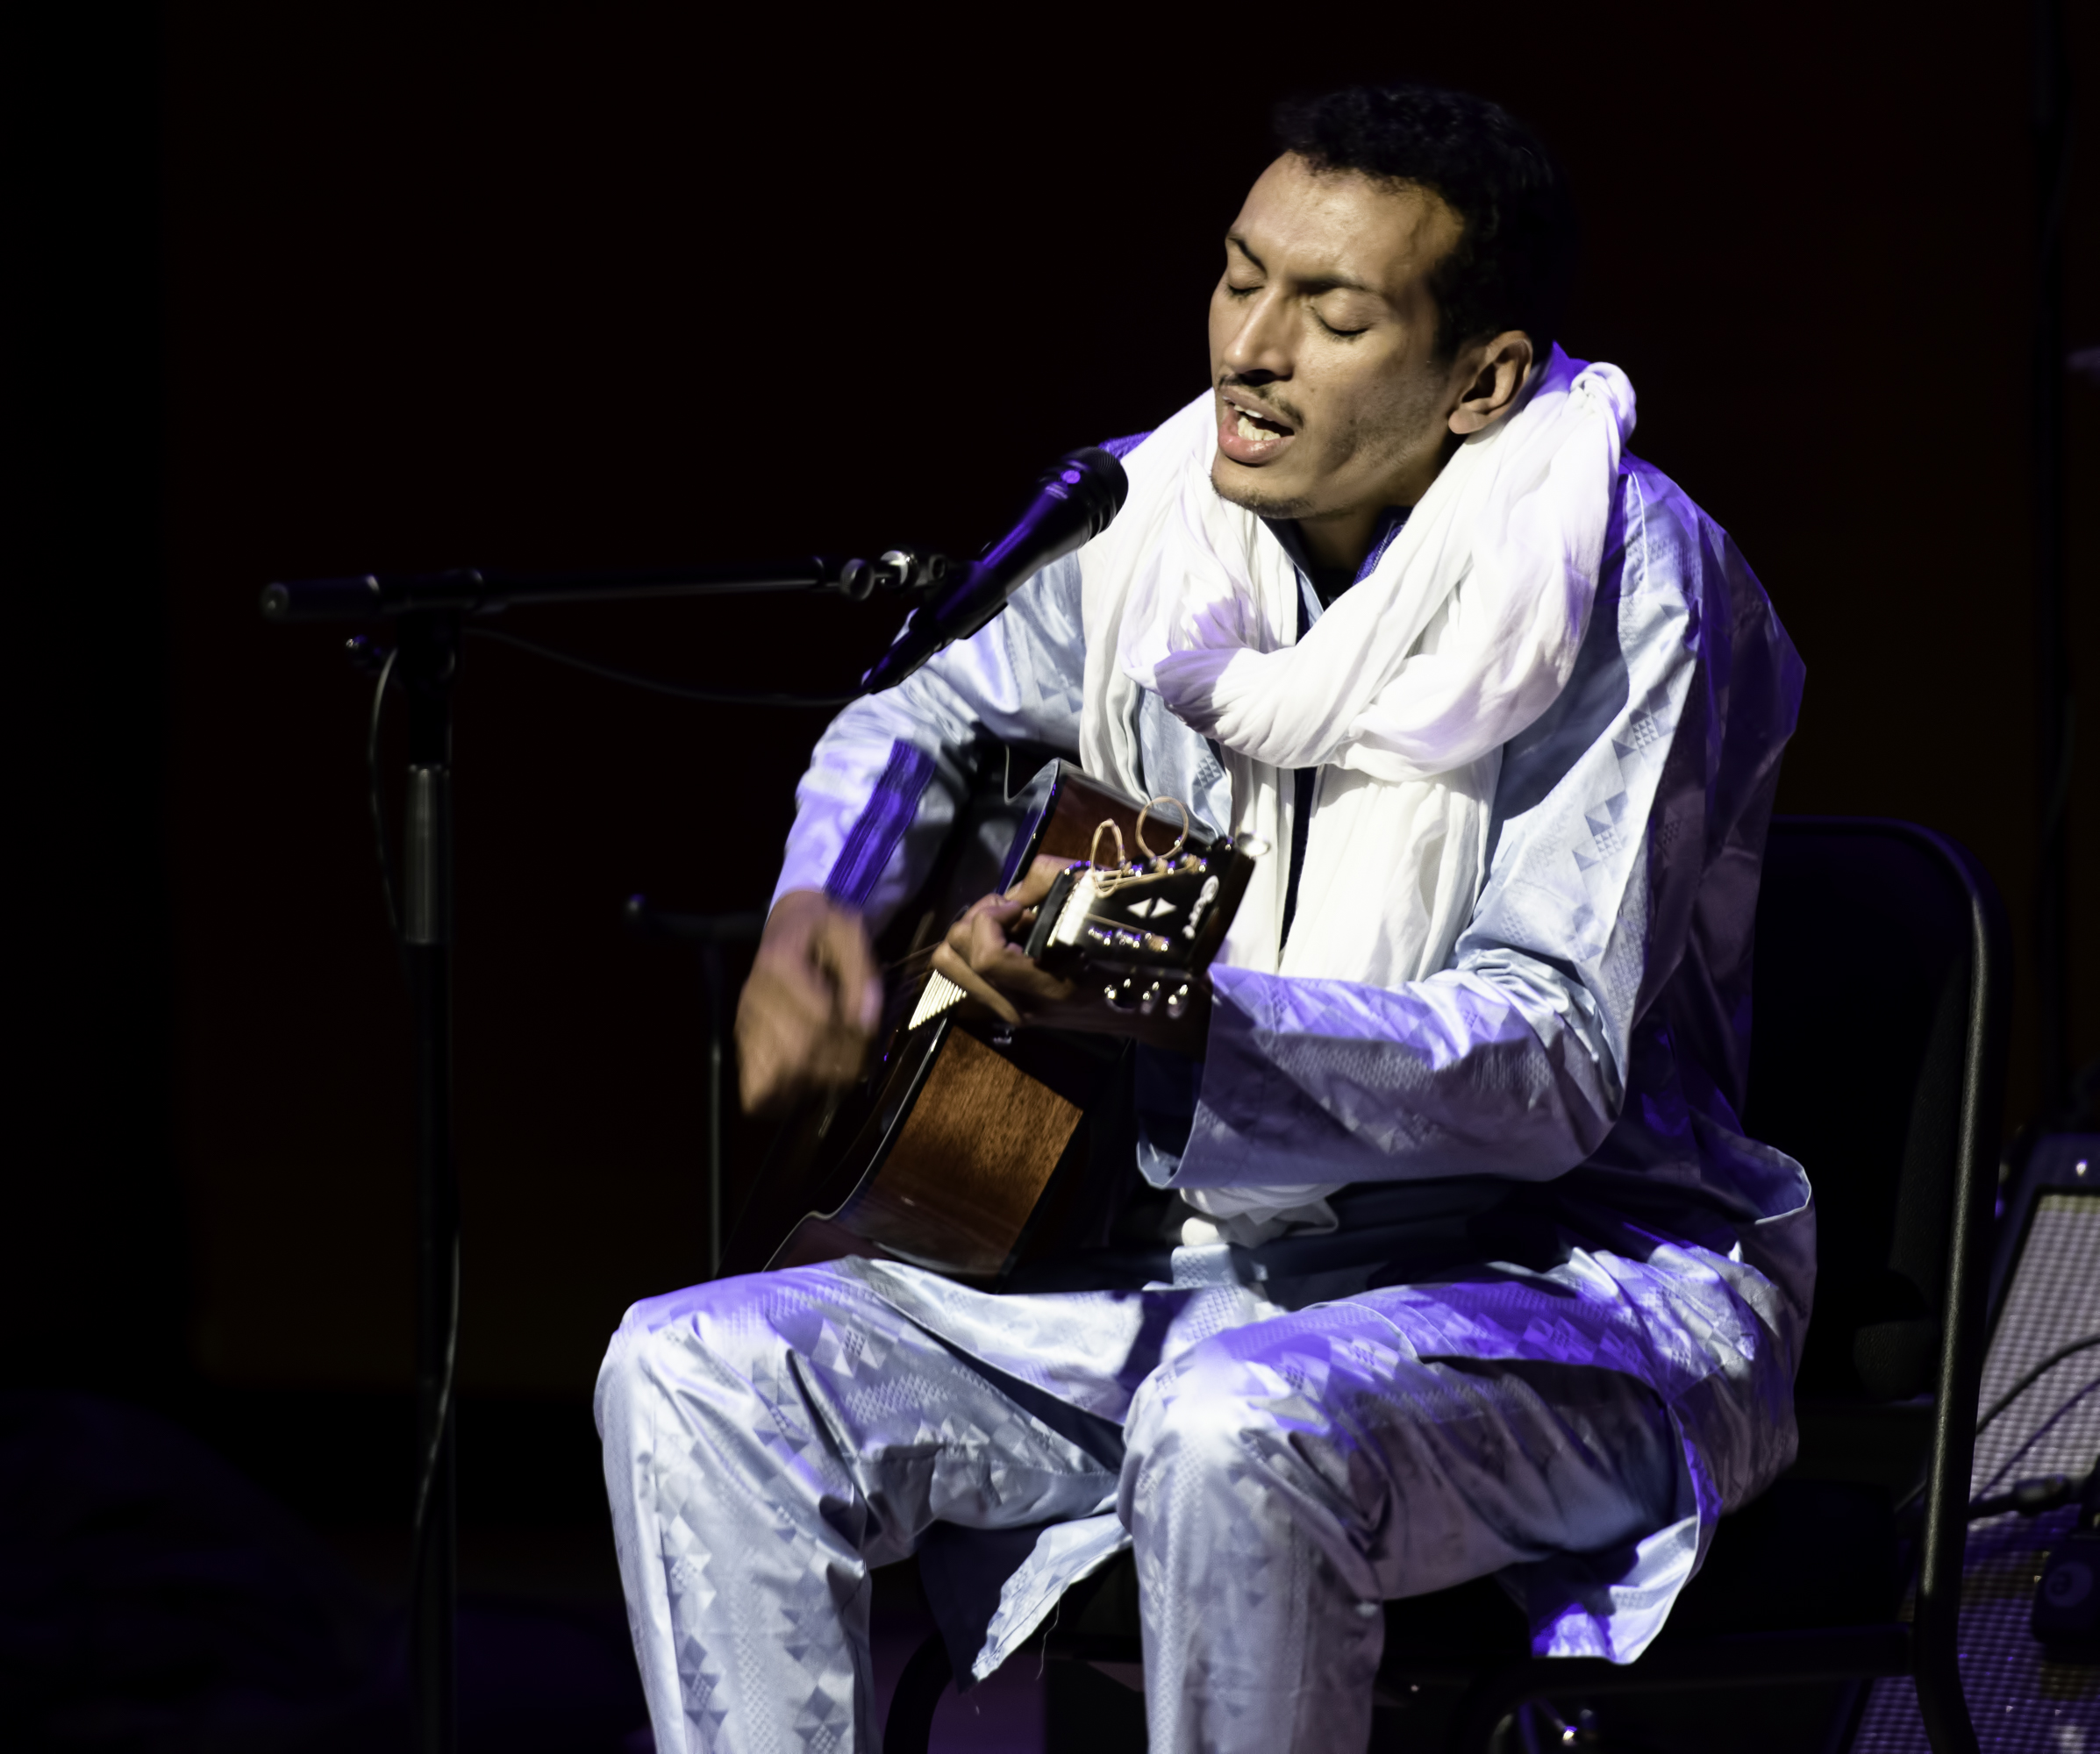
(2054, 1299)
(2021, 1704)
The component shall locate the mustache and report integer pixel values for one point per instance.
(1262, 394)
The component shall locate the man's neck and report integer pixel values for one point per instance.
(1340, 539)
(1330, 581)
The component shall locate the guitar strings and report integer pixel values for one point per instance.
(926, 952)
(910, 957)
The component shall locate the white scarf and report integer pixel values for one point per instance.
(1403, 692)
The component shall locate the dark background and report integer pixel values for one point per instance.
(319, 290)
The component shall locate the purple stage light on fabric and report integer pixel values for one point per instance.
(874, 836)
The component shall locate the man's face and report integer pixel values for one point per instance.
(1323, 329)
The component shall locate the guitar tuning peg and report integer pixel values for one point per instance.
(1177, 1000)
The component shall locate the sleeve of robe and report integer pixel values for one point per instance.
(1628, 830)
(888, 776)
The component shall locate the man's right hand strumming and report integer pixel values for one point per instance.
(809, 1013)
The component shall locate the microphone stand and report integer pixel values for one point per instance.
(429, 647)
(427, 609)
(1075, 499)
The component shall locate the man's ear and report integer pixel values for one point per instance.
(1492, 372)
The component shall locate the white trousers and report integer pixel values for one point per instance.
(769, 1439)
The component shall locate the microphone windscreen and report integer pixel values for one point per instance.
(1075, 498)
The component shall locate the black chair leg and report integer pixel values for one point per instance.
(909, 1726)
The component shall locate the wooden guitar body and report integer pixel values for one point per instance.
(948, 1153)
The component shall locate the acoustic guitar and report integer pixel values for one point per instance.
(961, 1134)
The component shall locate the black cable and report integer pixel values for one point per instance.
(2005, 1401)
(2063, 1409)
(376, 796)
(427, 1474)
(680, 690)
(2034, 1376)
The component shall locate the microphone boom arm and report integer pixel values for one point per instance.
(1075, 499)
(469, 590)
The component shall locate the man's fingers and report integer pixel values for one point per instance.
(790, 1037)
(838, 1057)
(821, 949)
(999, 960)
(776, 1065)
(978, 942)
(778, 1019)
(948, 962)
(808, 1015)
(1042, 872)
(787, 997)
(842, 949)
(763, 1059)
(984, 942)
(997, 909)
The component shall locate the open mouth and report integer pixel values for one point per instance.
(1246, 436)
(1254, 429)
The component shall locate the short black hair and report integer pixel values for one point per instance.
(1514, 262)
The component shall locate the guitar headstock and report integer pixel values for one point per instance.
(1141, 932)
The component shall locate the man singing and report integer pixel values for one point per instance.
(1460, 1261)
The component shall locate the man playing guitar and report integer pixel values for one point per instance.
(1438, 1250)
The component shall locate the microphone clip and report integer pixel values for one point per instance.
(902, 570)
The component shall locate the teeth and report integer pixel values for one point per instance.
(1248, 430)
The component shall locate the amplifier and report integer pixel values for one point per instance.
(2024, 1696)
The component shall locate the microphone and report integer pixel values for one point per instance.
(1075, 499)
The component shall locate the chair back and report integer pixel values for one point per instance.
(1875, 1043)
(1877, 1059)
